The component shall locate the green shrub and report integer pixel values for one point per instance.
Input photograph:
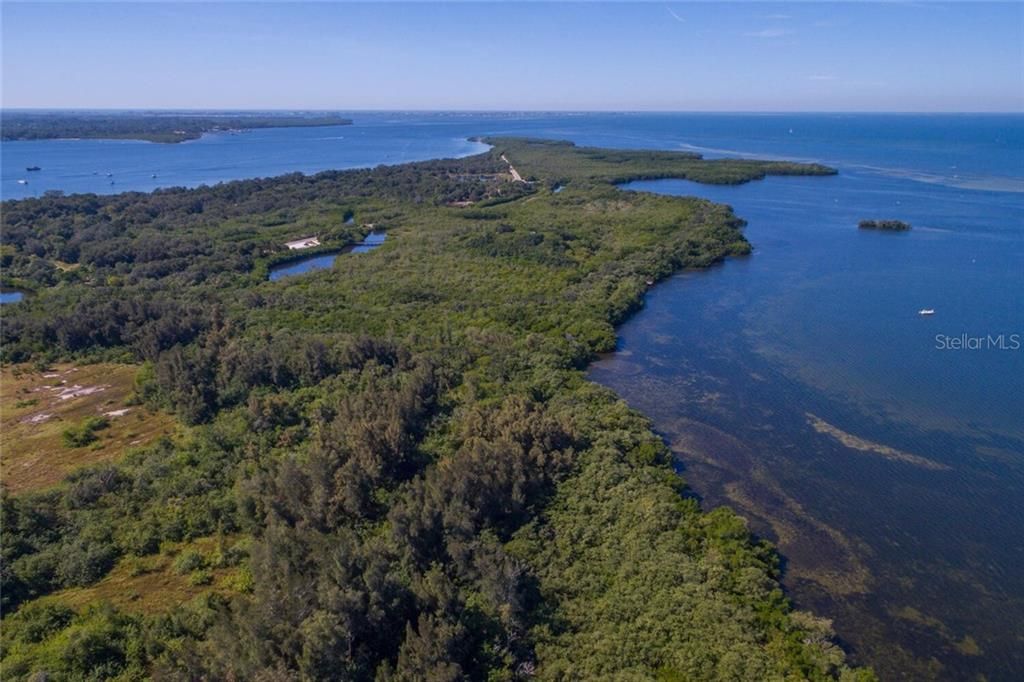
(36, 622)
(189, 561)
(85, 433)
(242, 581)
(201, 577)
(83, 561)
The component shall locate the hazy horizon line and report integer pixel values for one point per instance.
(508, 111)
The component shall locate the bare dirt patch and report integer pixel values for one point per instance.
(37, 406)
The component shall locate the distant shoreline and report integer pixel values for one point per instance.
(147, 127)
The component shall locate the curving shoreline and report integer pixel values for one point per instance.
(803, 317)
(509, 302)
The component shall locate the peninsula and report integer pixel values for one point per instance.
(149, 126)
(393, 468)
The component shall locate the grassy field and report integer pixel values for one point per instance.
(159, 582)
(36, 407)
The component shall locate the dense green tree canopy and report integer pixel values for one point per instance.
(425, 484)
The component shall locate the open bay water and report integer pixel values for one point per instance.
(957, 150)
(797, 385)
(112, 166)
(881, 449)
(801, 387)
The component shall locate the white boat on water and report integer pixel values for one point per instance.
(22, 182)
(926, 311)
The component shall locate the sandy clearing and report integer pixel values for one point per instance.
(77, 391)
(512, 169)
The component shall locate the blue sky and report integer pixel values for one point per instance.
(906, 56)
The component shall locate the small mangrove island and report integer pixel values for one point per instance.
(149, 126)
(886, 225)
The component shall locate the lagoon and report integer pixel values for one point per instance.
(320, 261)
(324, 260)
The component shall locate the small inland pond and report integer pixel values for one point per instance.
(11, 296)
(322, 260)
